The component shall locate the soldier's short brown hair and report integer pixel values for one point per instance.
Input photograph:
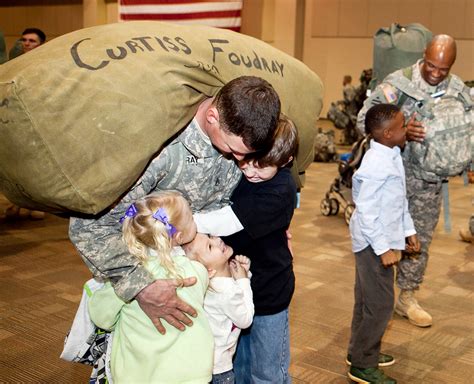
(249, 107)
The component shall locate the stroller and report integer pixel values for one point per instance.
(340, 191)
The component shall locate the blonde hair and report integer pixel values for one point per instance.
(143, 232)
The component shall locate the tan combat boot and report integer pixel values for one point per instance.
(408, 307)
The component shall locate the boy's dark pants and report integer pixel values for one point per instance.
(373, 308)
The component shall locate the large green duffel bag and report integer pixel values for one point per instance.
(82, 115)
(396, 47)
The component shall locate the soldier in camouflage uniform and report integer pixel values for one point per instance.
(431, 76)
(324, 147)
(239, 120)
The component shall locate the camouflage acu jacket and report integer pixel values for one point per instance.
(390, 92)
(189, 164)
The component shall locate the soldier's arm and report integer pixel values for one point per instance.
(99, 239)
(383, 93)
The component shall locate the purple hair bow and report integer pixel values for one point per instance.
(130, 212)
(161, 216)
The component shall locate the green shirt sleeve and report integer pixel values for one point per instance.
(105, 307)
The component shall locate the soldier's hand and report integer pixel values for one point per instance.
(413, 244)
(415, 130)
(160, 301)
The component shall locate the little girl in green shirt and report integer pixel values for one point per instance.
(153, 229)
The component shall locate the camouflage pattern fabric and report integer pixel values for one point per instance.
(387, 93)
(343, 113)
(424, 204)
(446, 149)
(16, 50)
(348, 93)
(189, 164)
(324, 147)
(338, 115)
(398, 46)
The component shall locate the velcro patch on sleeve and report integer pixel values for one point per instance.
(389, 93)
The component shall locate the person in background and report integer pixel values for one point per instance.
(31, 38)
(348, 90)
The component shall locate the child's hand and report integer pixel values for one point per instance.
(413, 244)
(389, 258)
(236, 270)
(244, 262)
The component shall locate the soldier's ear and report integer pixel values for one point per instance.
(212, 115)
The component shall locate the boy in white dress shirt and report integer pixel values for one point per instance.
(380, 227)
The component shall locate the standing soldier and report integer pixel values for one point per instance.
(429, 76)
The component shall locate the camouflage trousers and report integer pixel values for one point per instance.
(424, 204)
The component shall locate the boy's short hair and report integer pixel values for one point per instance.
(377, 115)
(249, 107)
(36, 31)
(285, 146)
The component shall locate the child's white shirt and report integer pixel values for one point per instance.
(229, 308)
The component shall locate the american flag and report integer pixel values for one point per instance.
(214, 13)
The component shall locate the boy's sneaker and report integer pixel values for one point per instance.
(384, 360)
(370, 375)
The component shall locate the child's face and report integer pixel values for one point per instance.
(256, 174)
(397, 128)
(212, 251)
(187, 228)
